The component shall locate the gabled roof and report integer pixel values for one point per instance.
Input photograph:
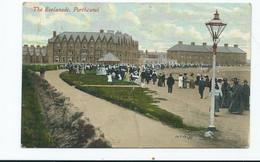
(109, 57)
(88, 35)
(204, 48)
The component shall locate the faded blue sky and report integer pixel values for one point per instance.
(157, 26)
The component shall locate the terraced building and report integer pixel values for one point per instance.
(202, 54)
(88, 47)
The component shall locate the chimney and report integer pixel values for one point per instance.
(101, 31)
(235, 45)
(226, 45)
(193, 43)
(204, 43)
(110, 31)
(54, 34)
(146, 51)
(179, 42)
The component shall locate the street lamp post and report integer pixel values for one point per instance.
(215, 27)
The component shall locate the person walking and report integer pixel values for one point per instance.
(198, 77)
(42, 71)
(180, 80)
(245, 95)
(202, 85)
(170, 83)
(185, 80)
(163, 80)
(236, 106)
(226, 91)
(218, 95)
(142, 78)
(154, 76)
(192, 80)
(160, 80)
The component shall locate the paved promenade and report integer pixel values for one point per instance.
(125, 128)
(122, 127)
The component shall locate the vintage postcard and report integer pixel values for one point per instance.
(135, 75)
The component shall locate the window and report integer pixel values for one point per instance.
(83, 59)
(57, 59)
(57, 51)
(63, 59)
(84, 52)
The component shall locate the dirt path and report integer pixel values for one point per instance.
(233, 130)
(122, 127)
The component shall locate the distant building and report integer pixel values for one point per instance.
(202, 54)
(85, 47)
(34, 54)
(141, 57)
(155, 57)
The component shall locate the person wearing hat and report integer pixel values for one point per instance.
(207, 81)
(170, 83)
(197, 79)
(185, 80)
(154, 77)
(192, 79)
(236, 105)
(163, 80)
(201, 87)
(227, 93)
(245, 95)
(180, 80)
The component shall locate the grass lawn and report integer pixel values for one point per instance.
(91, 78)
(37, 67)
(138, 100)
(34, 129)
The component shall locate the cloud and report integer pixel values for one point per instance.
(35, 39)
(31, 5)
(108, 11)
(129, 17)
(236, 33)
(58, 16)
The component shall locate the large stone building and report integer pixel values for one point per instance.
(87, 47)
(202, 54)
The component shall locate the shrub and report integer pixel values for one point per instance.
(34, 130)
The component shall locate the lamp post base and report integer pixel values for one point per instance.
(212, 129)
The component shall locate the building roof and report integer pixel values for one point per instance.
(204, 48)
(157, 53)
(115, 36)
(109, 57)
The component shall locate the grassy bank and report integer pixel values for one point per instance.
(34, 129)
(37, 67)
(137, 99)
(91, 78)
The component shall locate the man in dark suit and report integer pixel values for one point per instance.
(170, 83)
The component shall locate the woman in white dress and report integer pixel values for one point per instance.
(180, 80)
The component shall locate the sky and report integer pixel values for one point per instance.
(157, 26)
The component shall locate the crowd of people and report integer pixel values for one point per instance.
(235, 98)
